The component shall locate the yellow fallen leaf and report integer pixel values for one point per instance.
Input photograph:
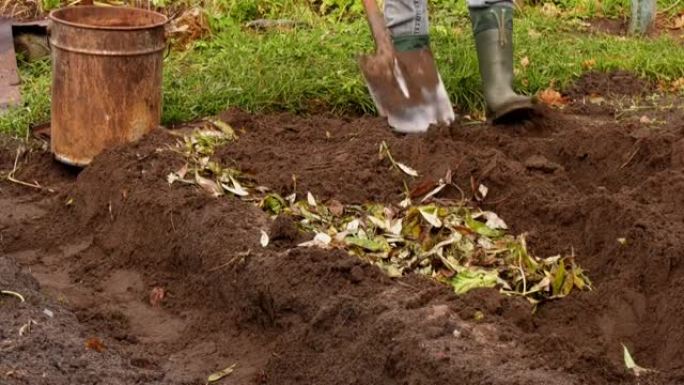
(677, 85)
(95, 344)
(550, 10)
(596, 99)
(220, 374)
(534, 34)
(13, 293)
(524, 62)
(589, 64)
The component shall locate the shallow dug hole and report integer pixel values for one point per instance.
(94, 250)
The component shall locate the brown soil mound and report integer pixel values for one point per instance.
(112, 233)
(614, 83)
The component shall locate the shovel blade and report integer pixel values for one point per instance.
(407, 89)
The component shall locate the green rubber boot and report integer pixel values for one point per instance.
(493, 31)
(406, 43)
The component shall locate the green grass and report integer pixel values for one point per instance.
(307, 69)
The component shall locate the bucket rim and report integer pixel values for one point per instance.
(54, 17)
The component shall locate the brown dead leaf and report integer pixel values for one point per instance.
(596, 99)
(190, 26)
(448, 274)
(208, 185)
(552, 98)
(525, 62)
(95, 344)
(677, 85)
(678, 22)
(589, 64)
(550, 10)
(336, 207)
(646, 120)
(157, 296)
(423, 187)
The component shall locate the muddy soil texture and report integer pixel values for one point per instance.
(89, 247)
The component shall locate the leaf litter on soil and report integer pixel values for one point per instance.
(449, 241)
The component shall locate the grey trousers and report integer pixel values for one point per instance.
(410, 17)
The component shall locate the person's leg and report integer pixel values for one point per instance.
(407, 21)
(493, 31)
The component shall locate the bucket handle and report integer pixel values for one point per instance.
(168, 51)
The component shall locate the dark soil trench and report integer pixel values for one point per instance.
(91, 251)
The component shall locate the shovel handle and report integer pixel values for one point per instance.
(377, 24)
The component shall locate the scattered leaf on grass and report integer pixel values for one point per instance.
(534, 34)
(221, 373)
(678, 22)
(631, 365)
(589, 64)
(264, 239)
(552, 98)
(525, 62)
(14, 294)
(550, 10)
(677, 85)
(95, 344)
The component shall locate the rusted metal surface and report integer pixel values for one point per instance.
(406, 86)
(106, 78)
(10, 94)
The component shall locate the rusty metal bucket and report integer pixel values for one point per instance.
(106, 78)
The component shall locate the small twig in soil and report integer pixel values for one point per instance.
(637, 144)
(232, 261)
(496, 202)
(11, 178)
(407, 285)
(173, 226)
(13, 293)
